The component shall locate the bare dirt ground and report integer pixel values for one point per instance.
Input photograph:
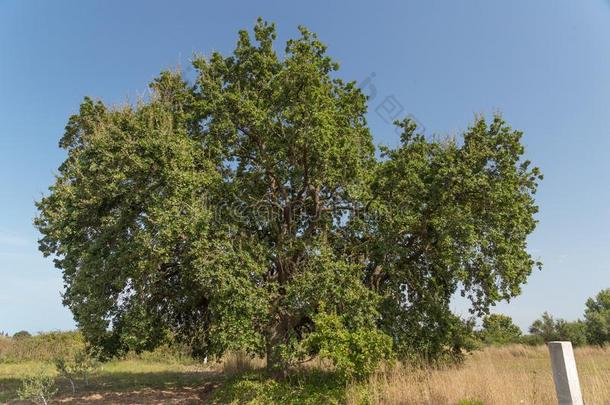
(147, 396)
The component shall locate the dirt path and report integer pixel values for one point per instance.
(146, 396)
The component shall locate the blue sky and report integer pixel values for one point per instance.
(544, 64)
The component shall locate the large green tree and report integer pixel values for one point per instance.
(232, 211)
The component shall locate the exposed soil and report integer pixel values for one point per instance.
(145, 396)
(182, 395)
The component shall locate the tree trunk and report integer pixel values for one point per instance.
(277, 335)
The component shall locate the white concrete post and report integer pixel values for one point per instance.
(565, 374)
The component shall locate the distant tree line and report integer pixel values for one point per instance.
(16, 335)
(594, 329)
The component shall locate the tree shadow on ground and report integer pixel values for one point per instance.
(165, 387)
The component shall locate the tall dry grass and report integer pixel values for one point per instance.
(496, 375)
(239, 362)
(503, 375)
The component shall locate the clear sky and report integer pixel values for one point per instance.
(544, 64)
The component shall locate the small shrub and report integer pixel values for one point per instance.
(313, 387)
(78, 365)
(172, 353)
(38, 388)
(22, 334)
(66, 369)
(85, 365)
(354, 353)
(532, 340)
(499, 329)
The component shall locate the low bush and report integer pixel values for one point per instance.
(308, 388)
(532, 340)
(174, 353)
(354, 353)
(22, 334)
(499, 329)
(38, 388)
(79, 365)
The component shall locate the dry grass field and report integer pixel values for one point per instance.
(503, 375)
(496, 375)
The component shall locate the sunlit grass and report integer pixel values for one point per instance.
(500, 375)
(503, 375)
(118, 375)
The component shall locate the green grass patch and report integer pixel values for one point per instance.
(255, 387)
(470, 402)
(166, 367)
(312, 387)
(119, 375)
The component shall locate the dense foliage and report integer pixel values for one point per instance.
(594, 329)
(38, 388)
(499, 329)
(354, 354)
(550, 329)
(597, 318)
(44, 347)
(22, 334)
(227, 211)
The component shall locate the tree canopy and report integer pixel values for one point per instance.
(234, 211)
(499, 329)
(597, 318)
(549, 329)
